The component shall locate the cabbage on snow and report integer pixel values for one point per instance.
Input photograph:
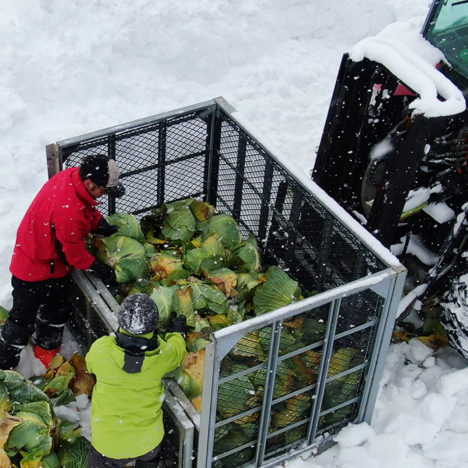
(31, 435)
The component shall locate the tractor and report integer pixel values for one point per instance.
(394, 154)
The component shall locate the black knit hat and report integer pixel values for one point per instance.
(101, 170)
(138, 314)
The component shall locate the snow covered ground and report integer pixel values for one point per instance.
(73, 67)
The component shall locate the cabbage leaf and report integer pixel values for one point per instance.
(126, 255)
(277, 291)
(128, 226)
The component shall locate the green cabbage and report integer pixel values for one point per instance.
(278, 290)
(128, 226)
(163, 297)
(246, 257)
(126, 255)
(210, 255)
(225, 227)
(74, 455)
(179, 223)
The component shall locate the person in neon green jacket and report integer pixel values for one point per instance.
(126, 414)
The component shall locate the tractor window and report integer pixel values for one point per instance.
(448, 31)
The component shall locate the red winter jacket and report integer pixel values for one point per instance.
(62, 211)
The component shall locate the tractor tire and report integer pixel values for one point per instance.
(455, 305)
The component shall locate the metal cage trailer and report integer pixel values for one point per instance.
(285, 382)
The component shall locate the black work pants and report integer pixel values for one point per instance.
(149, 460)
(40, 310)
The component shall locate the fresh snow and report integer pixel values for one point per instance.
(73, 67)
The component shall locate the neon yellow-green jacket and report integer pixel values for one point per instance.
(126, 415)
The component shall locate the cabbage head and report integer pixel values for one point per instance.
(128, 226)
(163, 298)
(226, 228)
(246, 257)
(277, 291)
(33, 436)
(210, 255)
(179, 223)
(126, 255)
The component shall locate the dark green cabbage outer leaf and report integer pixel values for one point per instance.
(126, 255)
(225, 227)
(179, 223)
(277, 291)
(128, 226)
(74, 455)
(246, 257)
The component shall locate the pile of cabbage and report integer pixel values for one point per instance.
(194, 262)
(31, 435)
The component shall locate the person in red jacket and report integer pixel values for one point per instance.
(50, 242)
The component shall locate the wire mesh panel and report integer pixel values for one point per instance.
(292, 383)
(290, 379)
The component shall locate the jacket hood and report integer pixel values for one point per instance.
(135, 349)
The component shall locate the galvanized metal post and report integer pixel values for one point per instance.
(323, 370)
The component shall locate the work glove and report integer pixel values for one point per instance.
(105, 272)
(105, 229)
(178, 323)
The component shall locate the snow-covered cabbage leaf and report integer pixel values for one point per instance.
(128, 226)
(179, 223)
(20, 389)
(246, 257)
(277, 291)
(126, 255)
(226, 228)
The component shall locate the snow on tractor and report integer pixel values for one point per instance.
(394, 153)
